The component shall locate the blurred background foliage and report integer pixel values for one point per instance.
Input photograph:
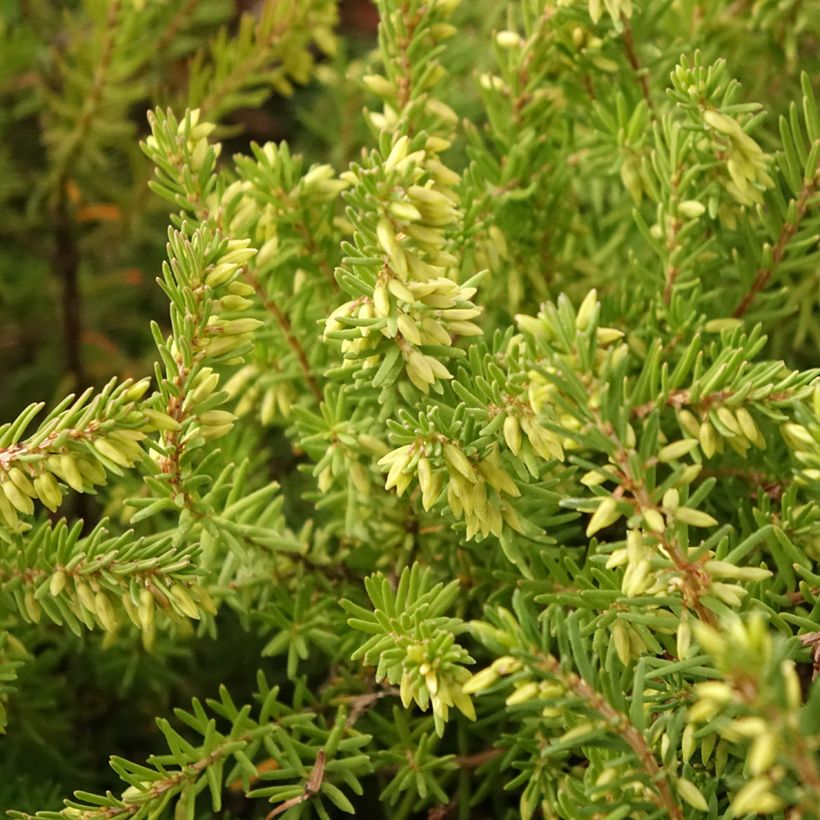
(82, 239)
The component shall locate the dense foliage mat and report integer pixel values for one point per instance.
(474, 472)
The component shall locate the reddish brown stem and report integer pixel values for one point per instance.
(788, 230)
(634, 61)
(621, 725)
(287, 331)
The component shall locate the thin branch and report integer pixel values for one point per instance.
(314, 783)
(683, 398)
(672, 271)
(478, 759)
(65, 266)
(184, 13)
(218, 92)
(621, 725)
(66, 257)
(634, 61)
(695, 582)
(787, 232)
(287, 331)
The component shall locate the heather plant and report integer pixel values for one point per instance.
(477, 475)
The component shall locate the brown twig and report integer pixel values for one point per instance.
(314, 783)
(622, 726)
(66, 257)
(217, 93)
(183, 14)
(478, 759)
(788, 231)
(683, 398)
(64, 266)
(634, 61)
(672, 271)
(695, 582)
(287, 331)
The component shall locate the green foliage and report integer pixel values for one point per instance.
(491, 437)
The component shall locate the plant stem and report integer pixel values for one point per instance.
(788, 230)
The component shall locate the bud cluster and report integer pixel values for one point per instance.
(76, 448)
(477, 489)
(267, 393)
(101, 580)
(616, 9)
(432, 674)
(707, 95)
(209, 306)
(717, 425)
(746, 163)
(402, 273)
(804, 440)
(412, 298)
(757, 680)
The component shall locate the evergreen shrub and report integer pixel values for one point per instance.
(476, 471)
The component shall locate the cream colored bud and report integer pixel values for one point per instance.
(456, 459)
(620, 636)
(671, 500)
(512, 433)
(694, 518)
(48, 490)
(22, 481)
(755, 798)
(689, 423)
(184, 601)
(720, 122)
(429, 483)
(221, 274)
(145, 610)
(215, 431)
(794, 695)
(205, 387)
(676, 450)
(691, 794)
(654, 520)
(57, 583)
(405, 212)
(719, 325)
(688, 743)
(728, 420)
(724, 569)
(762, 753)
(798, 435)
(396, 469)
(508, 39)
(420, 371)
(216, 417)
(105, 612)
(137, 390)
(606, 514)
(381, 301)
(749, 428)
(400, 148)
(237, 327)
(607, 335)
(522, 694)
(160, 421)
(587, 310)
(480, 681)
(708, 439)
(408, 328)
(18, 499)
(691, 208)
(689, 475)
(683, 637)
